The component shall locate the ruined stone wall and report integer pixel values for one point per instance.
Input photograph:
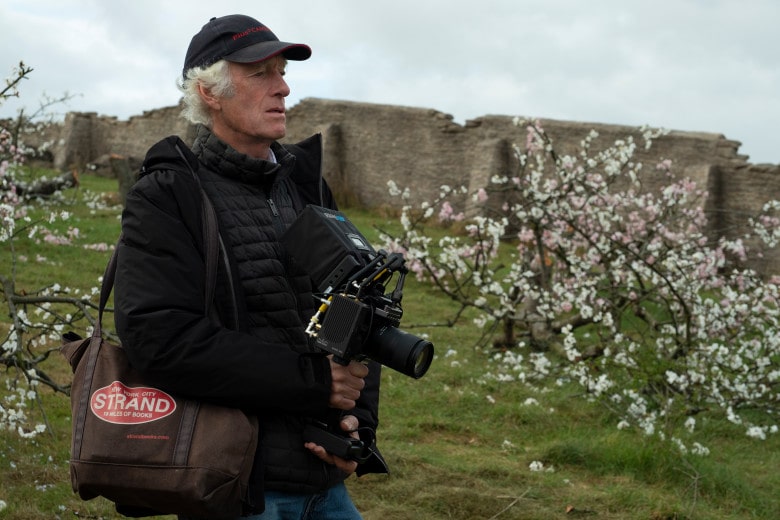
(86, 137)
(365, 145)
(368, 144)
(735, 194)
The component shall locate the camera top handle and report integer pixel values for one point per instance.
(378, 270)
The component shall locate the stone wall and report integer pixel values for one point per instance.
(86, 137)
(368, 144)
(365, 145)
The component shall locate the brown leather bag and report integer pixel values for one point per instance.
(144, 449)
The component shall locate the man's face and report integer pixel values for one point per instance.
(254, 116)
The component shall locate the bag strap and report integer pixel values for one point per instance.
(211, 241)
(211, 238)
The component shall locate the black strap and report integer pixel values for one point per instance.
(210, 236)
(210, 222)
(211, 246)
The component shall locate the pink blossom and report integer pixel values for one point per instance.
(102, 246)
(666, 165)
(446, 211)
(56, 240)
(525, 235)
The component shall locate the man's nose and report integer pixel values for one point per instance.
(282, 88)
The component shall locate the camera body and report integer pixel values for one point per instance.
(357, 318)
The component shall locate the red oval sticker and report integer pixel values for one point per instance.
(120, 404)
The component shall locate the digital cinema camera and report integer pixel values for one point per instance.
(356, 319)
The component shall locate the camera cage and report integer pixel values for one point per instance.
(342, 263)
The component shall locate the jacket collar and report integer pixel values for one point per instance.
(222, 158)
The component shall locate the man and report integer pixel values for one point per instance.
(258, 357)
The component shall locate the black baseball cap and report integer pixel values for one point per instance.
(241, 39)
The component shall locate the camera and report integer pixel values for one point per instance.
(357, 318)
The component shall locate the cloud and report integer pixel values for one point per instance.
(681, 64)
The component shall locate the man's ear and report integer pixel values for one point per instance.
(208, 97)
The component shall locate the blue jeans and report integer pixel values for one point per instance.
(333, 504)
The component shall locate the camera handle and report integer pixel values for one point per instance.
(337, 442)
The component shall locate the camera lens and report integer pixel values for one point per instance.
(422, 356)
(399, 350)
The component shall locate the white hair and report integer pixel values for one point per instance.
(215, 78)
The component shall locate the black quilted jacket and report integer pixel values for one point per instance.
(259, 357)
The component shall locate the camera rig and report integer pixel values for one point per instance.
(357, 318)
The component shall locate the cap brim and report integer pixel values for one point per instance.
(264, 50)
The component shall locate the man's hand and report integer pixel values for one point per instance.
(349, 423)
(347, 384)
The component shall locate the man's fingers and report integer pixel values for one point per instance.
(350, 423)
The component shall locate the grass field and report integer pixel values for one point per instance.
(459, 445)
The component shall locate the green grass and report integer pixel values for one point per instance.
(459, 446)
(98, 222)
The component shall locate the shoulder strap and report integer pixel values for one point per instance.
(211, 244)
(210, 235)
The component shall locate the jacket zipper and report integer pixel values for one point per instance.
(272, 205)
(278, 221)
(280, 229)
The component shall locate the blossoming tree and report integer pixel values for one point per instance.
(581, 274)
(35, 318)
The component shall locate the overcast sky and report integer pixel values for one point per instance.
(696, 65)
